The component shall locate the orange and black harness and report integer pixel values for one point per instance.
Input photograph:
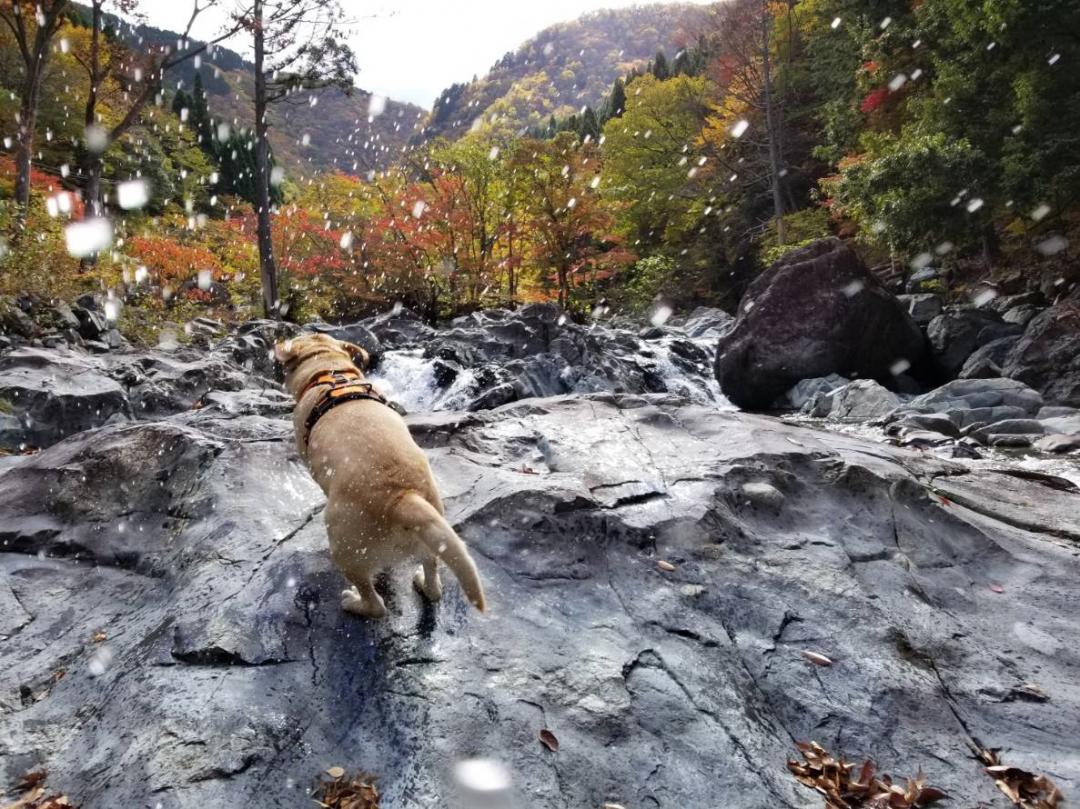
(342, 386)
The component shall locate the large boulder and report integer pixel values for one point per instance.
(1047, 356)
(956, 334)
(815, 312)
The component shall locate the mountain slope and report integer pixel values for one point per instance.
(337, 126)
(566, 67)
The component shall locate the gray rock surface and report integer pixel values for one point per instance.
(923, 307)
(861, 400)
(171, 636)
(956, 334)
(805, 391)
(1047, 356)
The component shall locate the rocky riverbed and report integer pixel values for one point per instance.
(171, 636)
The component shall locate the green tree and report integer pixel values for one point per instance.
(650, 161)
(616, 102)
(660, 67)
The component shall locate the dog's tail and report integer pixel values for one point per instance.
(435, 532)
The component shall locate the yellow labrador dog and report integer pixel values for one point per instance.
(382, 506)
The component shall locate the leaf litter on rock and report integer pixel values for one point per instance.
(36, 796)
(346, 792)
(842, 788)
(1026, 790)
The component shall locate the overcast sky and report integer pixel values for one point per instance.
(410, 50)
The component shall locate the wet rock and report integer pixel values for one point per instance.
(955, 335)
(1058, 443)
(1007, 427)
(809, 316)
(986, 361)
(979, 393)
(1003, 303)
(923, 307)
(54, 394)
(1047, 356)
(494, 397)
(940, 423)
(806, 390)
(16, 322)
(707, 322)
(861, 400)
(180, 579)
(1021, 315)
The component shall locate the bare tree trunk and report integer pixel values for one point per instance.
(267, 271)
(24, 149)
(772, 127)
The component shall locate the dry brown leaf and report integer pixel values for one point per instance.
(833, 779)
(665, 566)
(549, 740)
(346, 792)
(817, 659)
(99, 637)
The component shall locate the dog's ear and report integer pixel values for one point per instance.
(357, 354)
(283, 351)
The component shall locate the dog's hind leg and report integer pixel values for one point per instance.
(350, 555)
(361, 599)
(427, 579)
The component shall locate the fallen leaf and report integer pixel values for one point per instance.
(1032, 692)
(32, 778)
(99, 636)
(833, 779)
(346, 792)
(665, 566)
(817, 659)
(548, 739)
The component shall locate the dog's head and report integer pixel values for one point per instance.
(331, 355)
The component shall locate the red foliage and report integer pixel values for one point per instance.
(170, 262)
(874, 100)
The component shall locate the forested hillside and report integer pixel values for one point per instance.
(939, 137)
(565, 68)
(339, 132)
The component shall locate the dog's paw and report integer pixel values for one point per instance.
(352, 601)
(431, 593)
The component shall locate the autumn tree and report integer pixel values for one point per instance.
(33, 25)
(296, 49)
(140, 77)
(750, 108)
(568, 224)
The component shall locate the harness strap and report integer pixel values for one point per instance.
(343, 387)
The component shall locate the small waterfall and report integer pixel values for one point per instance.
(406, 377)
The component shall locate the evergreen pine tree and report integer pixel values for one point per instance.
(199, 117)
(616, 104)
(660, 67)
(181, 101)
(590, 127)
